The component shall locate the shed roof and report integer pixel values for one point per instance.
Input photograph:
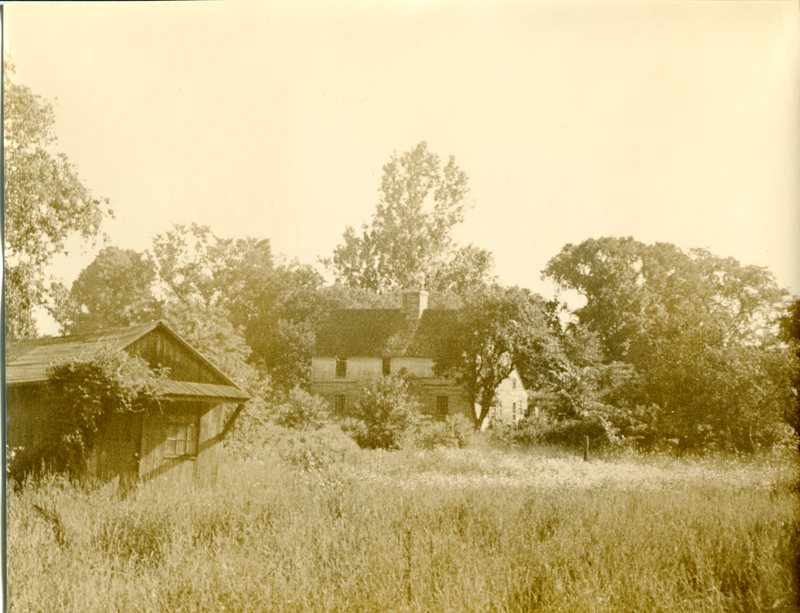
(384, 333)
(27, 361)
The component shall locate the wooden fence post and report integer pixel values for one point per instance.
(586, 449)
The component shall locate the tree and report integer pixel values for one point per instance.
(228, 296)
(420, 202)
(698, 330)
(790, 332)
(497, 330)
(116, 289)
(45, 203)
(633, 290)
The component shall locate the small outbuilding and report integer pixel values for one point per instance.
(178, 436)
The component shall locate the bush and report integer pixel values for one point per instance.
(354, 428)
(388, 412)
(431, 434)
(573, 432)
(315, 449)
(302, 411)
(455, 431)
(461, 429)
(567, 432)
(303, 449)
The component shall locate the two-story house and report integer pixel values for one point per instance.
(355, 346)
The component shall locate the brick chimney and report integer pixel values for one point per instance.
(414, 302)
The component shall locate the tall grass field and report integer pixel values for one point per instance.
(478, 529)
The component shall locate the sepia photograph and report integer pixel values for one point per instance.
(403, 305)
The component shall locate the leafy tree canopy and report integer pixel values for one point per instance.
(635, 291)
(116, 289)
(228, 297)
(498, 329)
(45, 203)
(420, 201)
(699, 331)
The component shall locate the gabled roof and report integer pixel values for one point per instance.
(27, 361)
(384, 333)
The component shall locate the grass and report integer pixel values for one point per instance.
(441, 530)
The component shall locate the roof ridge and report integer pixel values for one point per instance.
(69, 338)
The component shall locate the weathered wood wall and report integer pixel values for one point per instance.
(154, 458)
(159, 349)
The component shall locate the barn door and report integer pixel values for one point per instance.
(119, 446)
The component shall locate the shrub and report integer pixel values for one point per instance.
(572, 432)
(314, 449)
(568, 432)
(455, 431)
(302, 411)
(354, 428)
(431, 434)
(388, 412)
(461, 429)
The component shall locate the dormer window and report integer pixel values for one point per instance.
(341, 368)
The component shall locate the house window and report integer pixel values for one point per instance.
(339, 403)
(514, 411)
(341, 368)
(181, 438)
(442, 406)
(513, 383)
(387, 367)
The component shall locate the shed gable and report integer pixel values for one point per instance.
(160, 348)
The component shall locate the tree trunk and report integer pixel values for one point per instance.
(486, 406)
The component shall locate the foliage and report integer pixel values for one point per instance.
(185, 278)
(460, 429)
(115, 290)
(45, 203)
(260, 439)
(410, 235)
(387, 410)
(498, 329)
(455, 431)
(790, 332)
(634, 290)
(261, 313)
(445, 530)
(698, 334)
(86, 391)
(302, 411)
(279, 316)
(314, 449)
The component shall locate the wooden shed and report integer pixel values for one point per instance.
(179, 436)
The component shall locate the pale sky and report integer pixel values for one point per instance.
(673, 121)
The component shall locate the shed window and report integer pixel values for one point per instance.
(387, 367)
(339, 403)
(442, 406)
(341, 368)
(181, 438)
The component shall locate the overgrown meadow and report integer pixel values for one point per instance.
(294, 528)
